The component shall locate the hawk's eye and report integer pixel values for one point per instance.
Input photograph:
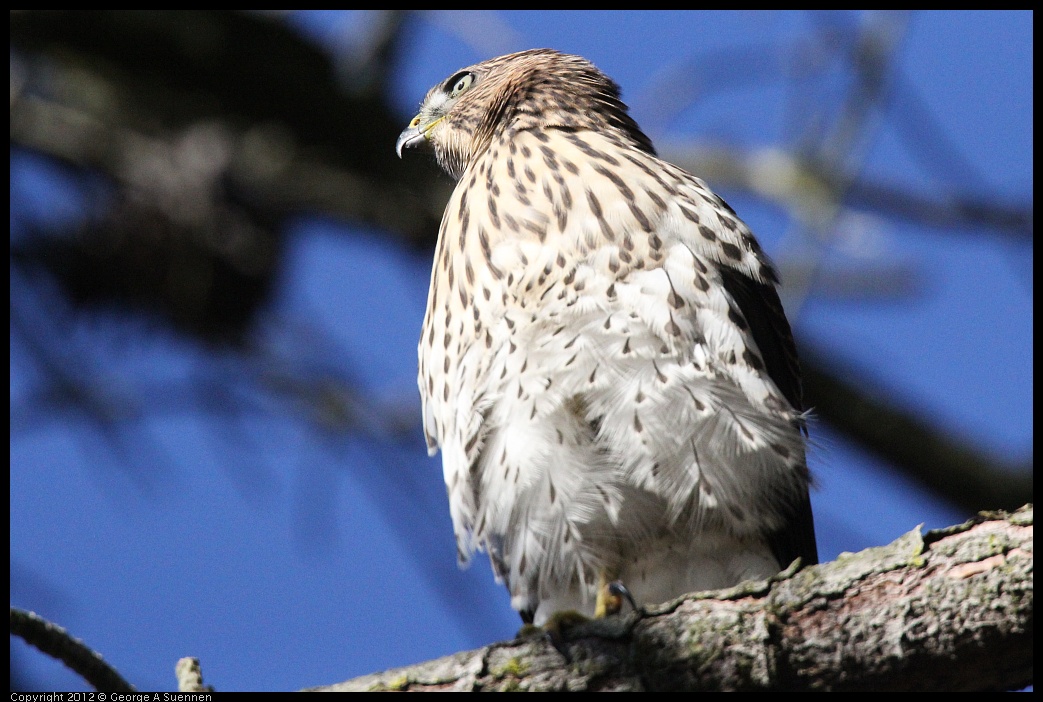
(460, 83)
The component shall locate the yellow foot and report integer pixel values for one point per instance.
(610, 598)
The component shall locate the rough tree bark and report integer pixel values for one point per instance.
(943, 610)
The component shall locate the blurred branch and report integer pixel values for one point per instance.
(60, 644)
(790, 181)
(788, 177)
(207, 130)
(93, 84)
(941, 611)
(853, 405)
(157, 69)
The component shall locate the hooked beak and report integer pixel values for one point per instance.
(416, 134)
(412, 135)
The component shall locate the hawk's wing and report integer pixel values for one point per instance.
(762, 308)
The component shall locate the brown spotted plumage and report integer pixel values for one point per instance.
(605, 363)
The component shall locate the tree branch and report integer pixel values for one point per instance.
(60, 644)
(945, 610)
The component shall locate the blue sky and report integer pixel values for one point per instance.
(284, 556)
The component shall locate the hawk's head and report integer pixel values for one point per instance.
(539, 89)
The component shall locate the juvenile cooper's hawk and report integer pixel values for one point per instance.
(605, 363)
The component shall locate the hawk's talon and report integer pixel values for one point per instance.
(617, 589)
(610, 597)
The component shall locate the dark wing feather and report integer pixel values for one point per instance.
(759, 303)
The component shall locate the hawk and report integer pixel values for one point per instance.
(604, 363)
